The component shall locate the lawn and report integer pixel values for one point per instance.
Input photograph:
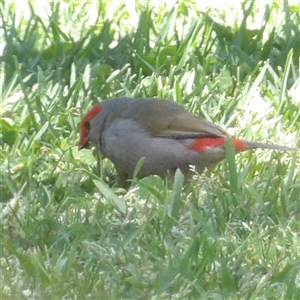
(69, 231)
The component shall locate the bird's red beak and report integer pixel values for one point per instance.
(83, 143)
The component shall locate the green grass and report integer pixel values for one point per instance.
(68, 231)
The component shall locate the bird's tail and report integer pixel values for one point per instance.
(204, 143)
(255, 145)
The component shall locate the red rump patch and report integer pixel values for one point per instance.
(85, 126)
(202, 144)
(239, 145)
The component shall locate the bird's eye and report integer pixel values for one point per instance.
(87, 125)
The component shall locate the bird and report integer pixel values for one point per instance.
(160, 132)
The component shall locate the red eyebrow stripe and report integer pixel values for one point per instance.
(85, 126)
(201, 144)
(92, 113)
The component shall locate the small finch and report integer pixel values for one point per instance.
(160, 131)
